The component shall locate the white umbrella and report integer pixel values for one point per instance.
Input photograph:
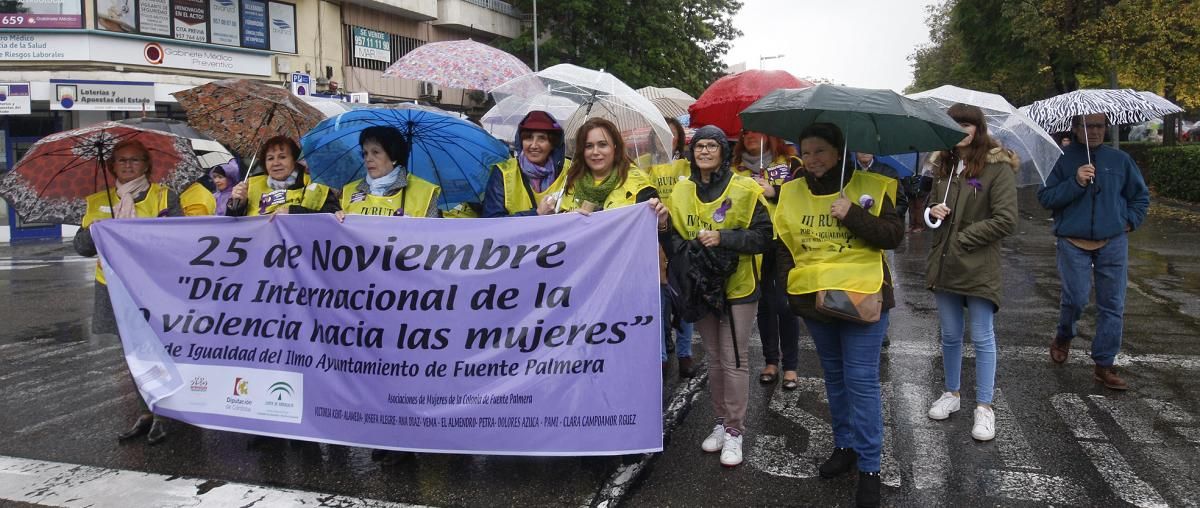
(1121, 106)
(501, 121)
(1012, 128)
(671, 102)
(646, 134)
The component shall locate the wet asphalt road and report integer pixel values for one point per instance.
(1061, 438)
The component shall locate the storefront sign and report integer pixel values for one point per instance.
(14, 99)
(41, 14)
(254, 24)
(83, 95)
(191, 20)
(154, 17)
(225, 24)
(372, 45)
(283, 26)
(123, 50)
(34, 47)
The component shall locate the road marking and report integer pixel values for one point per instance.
(52, 350)
(73, 485)
(1030, 486)
(1138, 425)
(1074, 412)
(85, 412)
(1038, 354)
(1014, 448)
(1189, 433)
(931, 466)
(771, 455)
(1120, 477)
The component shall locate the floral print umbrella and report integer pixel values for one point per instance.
(459, 64)
(53, 180)
(241, 114)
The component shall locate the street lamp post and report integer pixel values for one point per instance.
(535, 38)
(762, 59)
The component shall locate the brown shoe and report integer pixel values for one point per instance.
(1059, 350)
(1108, 376)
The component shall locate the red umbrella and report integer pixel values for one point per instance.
(721, 102)
(52, 180)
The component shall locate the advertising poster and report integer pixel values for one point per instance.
(372, 45)
(116, 16)
(254, 24)
(283, 26)
(41, 14)
(14, 99)
(154, 17)
(85, 95)
(191, 20)
(225, 25)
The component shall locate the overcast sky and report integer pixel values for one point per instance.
(862, 43)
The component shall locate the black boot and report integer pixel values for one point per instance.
(140, 426)
(158, 431)
(686, 368)
(868, 490)
(839, 462)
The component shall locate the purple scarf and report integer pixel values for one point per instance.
(539, 176)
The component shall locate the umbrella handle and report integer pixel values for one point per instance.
(930, 221)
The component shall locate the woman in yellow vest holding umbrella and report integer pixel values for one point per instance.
(834, 225)
(389, 189)
(519, 186)
(721, 210)
(134, 197)
(285, 188)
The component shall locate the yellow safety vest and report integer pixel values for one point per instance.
(734, 209)
(516, 194)
(462, 211)
(777, 172)
(416, 198)
(100, 206)
(827, 255)
(665, 176)
(197, 201)
(263, 200)
(622, 195)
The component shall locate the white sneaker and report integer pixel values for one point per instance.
(715, 441)
(985, 424)
(941, 408)
(731, 453)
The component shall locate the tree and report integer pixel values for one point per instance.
(665, 43)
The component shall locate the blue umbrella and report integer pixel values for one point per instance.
(905, 163)
(455, 154)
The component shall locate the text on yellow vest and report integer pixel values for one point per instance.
(100, 206)
(263, 200)
(417, 198)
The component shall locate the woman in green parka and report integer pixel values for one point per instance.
(975, 195)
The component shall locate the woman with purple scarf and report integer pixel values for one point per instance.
(529, 182)
(224, 177)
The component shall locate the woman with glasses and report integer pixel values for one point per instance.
(723, 211)
(285, 188)
(133, 197)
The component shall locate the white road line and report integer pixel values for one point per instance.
(1014, 448)
(1038, 354)
(820, 434)
(1189, 433)
(912, 405)
(38, 388)
(889, 469)
(71, 485)
(1120, 477)
(85, 412)
(1074, 412)
(1169, 412)
(770, 455)
(5, 265)
(931, 465)
(1138, 424)
(1037, 487)
(51, 350)
(1173, 470)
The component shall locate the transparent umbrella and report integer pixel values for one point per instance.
(501, 121)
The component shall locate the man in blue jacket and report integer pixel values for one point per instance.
(1094, 206)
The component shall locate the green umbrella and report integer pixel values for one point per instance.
(873, 121)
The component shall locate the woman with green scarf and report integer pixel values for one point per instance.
(606, 177)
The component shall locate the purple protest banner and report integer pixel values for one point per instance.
(529, 336)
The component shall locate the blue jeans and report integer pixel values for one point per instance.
(849, 354)
(983, 335)
(1109, 265)
(683, 335)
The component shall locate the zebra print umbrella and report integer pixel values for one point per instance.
(1121, 106)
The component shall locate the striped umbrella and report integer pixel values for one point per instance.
(1121, 106)
(671, 102)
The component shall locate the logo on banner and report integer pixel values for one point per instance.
(154, 53)
(199, 384)
(241, 387)
(279, 389)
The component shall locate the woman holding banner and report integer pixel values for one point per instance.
(389, 189)
(285, 188)
(834, 247)
(134, 197)
(603, 176)
(723, 211)
(665, 176)
(519, 186)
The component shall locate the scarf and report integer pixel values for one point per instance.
(380, 186)
(755, 163)
(539, 176)
(586, 188)
(283, 184)
(127, 194)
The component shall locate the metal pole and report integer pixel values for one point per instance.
(1115, 131)
(535, 38)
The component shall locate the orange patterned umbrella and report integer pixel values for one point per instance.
(241, 114)
(52, 180)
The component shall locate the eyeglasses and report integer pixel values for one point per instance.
(707, 147)
(130, 161)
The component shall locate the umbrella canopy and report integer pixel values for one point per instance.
(722, 101)
(52, 181)
(1012, 128)
(208, 152)
(241, 114)
(1121, 106)
(503, 118)
(881, 122)
(597, 93)
(455, 154)
(671, 102)
(458, 64)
